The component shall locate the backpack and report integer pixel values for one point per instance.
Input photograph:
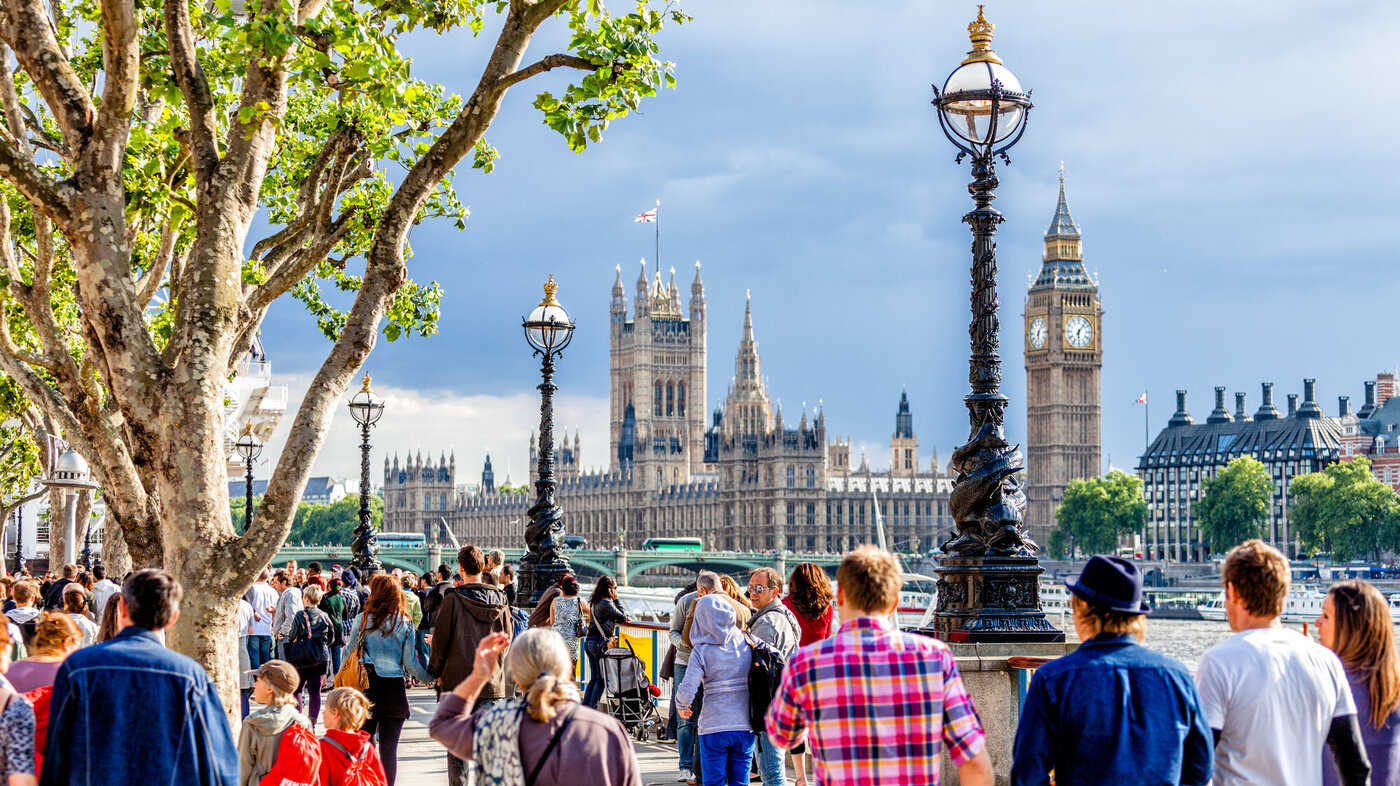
(765, 677)
(307, 646)
(520, 621)
(298, 759)
(359, 772)
(40, 698)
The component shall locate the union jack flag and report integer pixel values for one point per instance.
(1141, 399)
(648, 217)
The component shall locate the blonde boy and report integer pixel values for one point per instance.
(345, 747)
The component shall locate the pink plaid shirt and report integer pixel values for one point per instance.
(877, 705)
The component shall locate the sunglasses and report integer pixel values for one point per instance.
(756, 588)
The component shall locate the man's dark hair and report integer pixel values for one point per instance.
(282, 576)
(152, 598)
(471, 559)
(444, 572)
(70, 571)
(99, 573)
(313, 567)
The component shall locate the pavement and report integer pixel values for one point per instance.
(423, 761)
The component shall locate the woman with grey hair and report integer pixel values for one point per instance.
(546, 738)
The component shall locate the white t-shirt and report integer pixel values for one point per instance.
(1272, 693)
(262, 597)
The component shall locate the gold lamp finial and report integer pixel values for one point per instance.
(549, 289)
(248, 429)
(365, 389)
(980, 31)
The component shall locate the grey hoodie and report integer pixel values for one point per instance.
(259, 738)
(720, 662)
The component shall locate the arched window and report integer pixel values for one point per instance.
(811, 477)
(442, 502)
(656, 401)
(680, 399)
(791, 476)
(427, 501)
(670, 399)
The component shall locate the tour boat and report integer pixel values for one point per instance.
(1303, 604)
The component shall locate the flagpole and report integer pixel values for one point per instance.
(658, 237)
(1146, 421)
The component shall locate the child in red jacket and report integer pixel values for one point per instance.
(348, 758)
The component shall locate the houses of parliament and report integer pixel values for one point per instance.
(745, 477)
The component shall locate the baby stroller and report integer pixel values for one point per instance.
(629, 692)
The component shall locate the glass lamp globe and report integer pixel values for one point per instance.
(248, 445)
(365, 407)
(548, 328)
(982, 102)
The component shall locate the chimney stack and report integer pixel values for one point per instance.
(1343, 406)
(1309, 407)
(1240, 413)
(1181, 417)
(1220, 414)
(1267, 411)
(1292, 404)
(1370, 406)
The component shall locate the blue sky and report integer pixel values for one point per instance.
(1230, 166)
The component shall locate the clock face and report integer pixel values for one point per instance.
(1079, 331)
(1038, 333)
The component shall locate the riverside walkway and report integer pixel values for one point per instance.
(424, 762)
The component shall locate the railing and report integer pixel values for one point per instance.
(1023, 666)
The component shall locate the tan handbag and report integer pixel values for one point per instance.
(352, 672)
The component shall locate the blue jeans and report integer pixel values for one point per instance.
(727, 756)
(685, 727)
(335, 660)
(593, 648)
(420, 643)
(770, 761)
(259, 650)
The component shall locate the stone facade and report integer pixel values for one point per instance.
(747, 480)
(1064, 355)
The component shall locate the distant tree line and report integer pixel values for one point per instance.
(319, 524)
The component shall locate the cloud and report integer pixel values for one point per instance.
(443, 422)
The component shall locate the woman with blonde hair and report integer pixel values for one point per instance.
(547, 737)
(56, 636)
(1355, 623)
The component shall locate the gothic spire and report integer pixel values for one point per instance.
(1062, 225)
(1063, 265)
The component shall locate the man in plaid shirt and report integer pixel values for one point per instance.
(878, 705)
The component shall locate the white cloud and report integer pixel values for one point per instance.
(438, 422)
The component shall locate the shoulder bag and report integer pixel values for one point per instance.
(304, 650)
(553, 742)
(352, 672)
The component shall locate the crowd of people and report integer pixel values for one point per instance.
(775, 675)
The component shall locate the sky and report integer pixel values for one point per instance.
(1229, 165)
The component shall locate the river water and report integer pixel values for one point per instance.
(1188, 640)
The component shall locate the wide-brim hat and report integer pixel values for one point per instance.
(1110, 584)
(280, 674)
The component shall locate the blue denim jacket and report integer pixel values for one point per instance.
(391, 654)
(1113, 711)
(129, 711)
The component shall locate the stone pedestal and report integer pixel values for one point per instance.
(534, 578)
(992, 685)
(991, 599)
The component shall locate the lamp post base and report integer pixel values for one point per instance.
(533, 579)
(991, 599)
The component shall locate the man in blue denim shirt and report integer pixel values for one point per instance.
(1112, 711)
(129, 711)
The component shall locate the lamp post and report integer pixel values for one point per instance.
(988, 586)
(548, 330)
(71, 476)
(19, 541)
(367, 409)
(249, 447)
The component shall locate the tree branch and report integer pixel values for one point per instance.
(121, 65)
(26, 27)
(29, 180)
(149, 282)
(547, 63)
(189, 75)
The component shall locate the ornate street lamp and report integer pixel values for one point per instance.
(19, 541)
(249, 447)
(548, 330)
(71, 476)
(988, 585)
(367, 409)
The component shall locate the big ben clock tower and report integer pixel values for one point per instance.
(1064, 352)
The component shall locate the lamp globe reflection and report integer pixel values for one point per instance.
(365, 407)
(548, 328)
(982, 107)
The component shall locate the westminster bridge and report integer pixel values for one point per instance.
(622, 564)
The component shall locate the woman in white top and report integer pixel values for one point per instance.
(568, 615)
(75, 605)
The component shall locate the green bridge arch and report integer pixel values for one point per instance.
(625, 565)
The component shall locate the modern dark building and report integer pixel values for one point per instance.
(1185, 453)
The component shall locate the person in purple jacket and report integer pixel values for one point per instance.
(720, 662)
(1356, 624)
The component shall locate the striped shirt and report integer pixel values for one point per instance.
(878, 706)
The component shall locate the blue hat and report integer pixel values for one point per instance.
(1111, 584)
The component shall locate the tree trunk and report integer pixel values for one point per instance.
(116, 558)
(206, 631)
